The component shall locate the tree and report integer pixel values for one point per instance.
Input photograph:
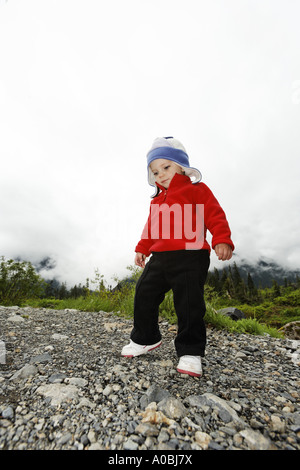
(18, 281)
(63, 291)
(275, 289)
(238, 284)
(252, 290)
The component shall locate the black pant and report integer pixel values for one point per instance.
(185, 273)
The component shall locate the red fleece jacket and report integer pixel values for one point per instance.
(180, 215)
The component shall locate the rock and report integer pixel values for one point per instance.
(291, 330)
(58, 393)
(40, 358)
(16, 318)
(153, 394)
(98, 446)
(147, 429)
(241, 355)
(92, 437)
(172, 408)
(57, 420)
(57, 378)
(77, 381)
(64, 439)
(151, 415)
(109, 327)
(203, 439)
(11, 308)
(254, 440)
(108, 390)
(59, 336)
(295, 418)
(8, 413)
(25, 372)
(277, 424)
(225, 411)
(84, 440)
(232, 312)
(85, 396)
(2, 352)
(130, 445)
(85, 402)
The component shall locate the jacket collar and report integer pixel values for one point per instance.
(177, 180)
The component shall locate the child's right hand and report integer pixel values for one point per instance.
(223, 251)
(140, 259)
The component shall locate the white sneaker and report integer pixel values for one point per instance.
(190, 365)
(133, 349)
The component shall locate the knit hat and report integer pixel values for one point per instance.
(169, 148)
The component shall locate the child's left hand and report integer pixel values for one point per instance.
(223, 251)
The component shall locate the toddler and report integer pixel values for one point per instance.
(181, 211)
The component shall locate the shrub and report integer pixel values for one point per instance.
(18, 281)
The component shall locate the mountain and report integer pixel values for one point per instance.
(46, 264)
(264, 271)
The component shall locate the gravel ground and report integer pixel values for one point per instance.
(64, 385)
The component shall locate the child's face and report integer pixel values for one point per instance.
(164, 170)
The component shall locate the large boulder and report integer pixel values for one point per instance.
(291, 330)
(233, 313)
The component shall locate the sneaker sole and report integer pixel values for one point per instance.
(140, 354)
(194, 374)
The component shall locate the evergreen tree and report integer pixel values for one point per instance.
(51, 289)
(252, 290)
(217, 283)
(275, 289)
(238, 284)
(74, 292)
(223, 280)
(63, 291)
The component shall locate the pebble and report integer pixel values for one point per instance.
(64, 385)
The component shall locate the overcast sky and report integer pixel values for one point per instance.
(85, 88)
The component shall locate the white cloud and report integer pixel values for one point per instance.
(86, 86)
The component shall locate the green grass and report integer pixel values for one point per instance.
(90, 304)
(246, 325)
(121, 303)
(273, 311)
(267, 310)
(264, 316)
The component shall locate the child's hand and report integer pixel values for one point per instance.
(140, 260)
(223, 251)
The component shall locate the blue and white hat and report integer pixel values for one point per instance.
(169, 148)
